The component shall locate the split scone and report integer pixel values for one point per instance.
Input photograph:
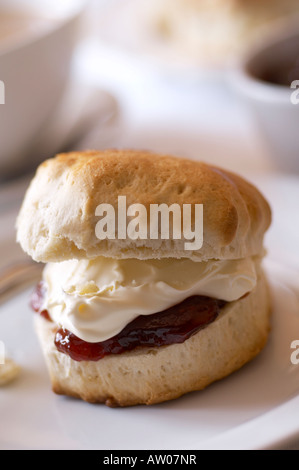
(128, 320)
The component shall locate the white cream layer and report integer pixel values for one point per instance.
(96, 299)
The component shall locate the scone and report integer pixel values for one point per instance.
(128, 320)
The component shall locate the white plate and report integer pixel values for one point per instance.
(33, 417)
(255, 408)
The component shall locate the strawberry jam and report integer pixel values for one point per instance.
(174, 325)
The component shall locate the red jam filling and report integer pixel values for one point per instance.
(174, 325)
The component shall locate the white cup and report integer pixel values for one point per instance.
(34, 71)
(273, 105)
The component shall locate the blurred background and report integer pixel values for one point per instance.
(168, 75)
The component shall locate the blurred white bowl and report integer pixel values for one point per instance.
(34, 67)
(263, 79)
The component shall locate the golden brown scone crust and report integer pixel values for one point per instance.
(57, 219)
(153, 375)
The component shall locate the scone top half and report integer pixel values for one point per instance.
(58, 217)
